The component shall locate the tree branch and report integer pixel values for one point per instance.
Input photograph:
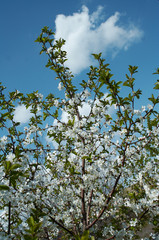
(106, 204)
(89, 206)
(63, 227)
(83, 209)
(9, 217)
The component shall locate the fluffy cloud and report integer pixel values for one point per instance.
(22, 114)
(85, 34)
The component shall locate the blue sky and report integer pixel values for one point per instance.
(131, 37)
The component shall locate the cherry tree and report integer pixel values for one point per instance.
(85, 166)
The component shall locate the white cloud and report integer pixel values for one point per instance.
(84, 35)
(22, 114)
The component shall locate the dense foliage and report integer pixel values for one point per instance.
(86, 164)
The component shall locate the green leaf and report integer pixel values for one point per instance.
(7, 166)
(29, 237)
(45, 115)
(126, 83)
(85, 235)
(133, 69)
(152, 99)
(15, 166)
(30, 222)
(157, 85)
(4, 187)
(157, 71)
(97, 56)
(56, 114)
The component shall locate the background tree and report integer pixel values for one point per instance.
(90, 175)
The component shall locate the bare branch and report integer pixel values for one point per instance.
(60, 225)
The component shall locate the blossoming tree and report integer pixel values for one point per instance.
(92, 175)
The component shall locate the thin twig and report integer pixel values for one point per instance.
(89, 206)
(60, 225)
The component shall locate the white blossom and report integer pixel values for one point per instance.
(3, 142)
(49, 50)
(10, 157)
(149, 106)
(60, 86)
